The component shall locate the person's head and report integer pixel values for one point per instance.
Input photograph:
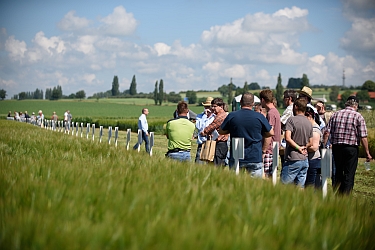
(266, 97)
(247, 100)
(258, 107)
(290, 96)
(320, 107)
(145, 111)
(311, 115)
(217, 105)
(305, 93)
(182, 108)
(299, 106)
(352, 101)
(40, 112)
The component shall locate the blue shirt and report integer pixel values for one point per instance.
(142, 123)
(251, 126)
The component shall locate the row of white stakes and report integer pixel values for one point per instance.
(62, 126)
(326, 162)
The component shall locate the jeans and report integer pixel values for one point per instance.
(254, 169)
(180, 156)
(198, 154)
(295, 171)
(314, 173)
(221, 151)
(147, 142)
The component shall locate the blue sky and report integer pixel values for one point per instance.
(191, 45)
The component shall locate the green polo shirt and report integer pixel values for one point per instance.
(180, 133)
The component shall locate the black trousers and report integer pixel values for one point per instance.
(221, 151)
(346, 161)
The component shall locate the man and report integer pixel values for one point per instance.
(203, 120)
(273, 117)
(221, 149)
(69, 120)
(40, 118)
(347, 129)
(143, 126)
(298, 136)
(325, 115)
(306, 93)
(290, 96)
(179, 132)
(253, 127)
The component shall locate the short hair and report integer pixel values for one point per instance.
(143, 110)
(351, 103)
(182, 107)
(267, 95)
(300, 104)
(247, 99)
(217, 101)
(291, 93)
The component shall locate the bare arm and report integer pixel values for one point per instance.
(365, 145)
(314, 142)
(293, 144)
(269, 133)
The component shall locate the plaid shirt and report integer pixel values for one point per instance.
(347, 126)
(215, 124)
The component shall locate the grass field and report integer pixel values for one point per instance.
(58, 191)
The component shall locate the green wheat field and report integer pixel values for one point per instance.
(60, 191)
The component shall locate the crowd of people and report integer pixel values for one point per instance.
(302, 131)
(40, 119)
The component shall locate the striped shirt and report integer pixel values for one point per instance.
(347, 126)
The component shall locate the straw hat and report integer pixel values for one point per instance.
(208, 101)
(306, 91)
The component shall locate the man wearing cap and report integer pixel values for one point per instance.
(347, 129)
(306, 93)
(203, 120)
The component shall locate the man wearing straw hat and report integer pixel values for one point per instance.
(203, 120)
(306, 93)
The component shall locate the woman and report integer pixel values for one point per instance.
(313, 173)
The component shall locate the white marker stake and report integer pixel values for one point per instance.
(77, 128)
(109, 134)
(326, 169)
(73, 128)
(275, 161)
(87, 130)
(100, 133)
(151, 142)
(128, 135)
(116, 136)
(93, 132)
(238, 152)
(139, 139)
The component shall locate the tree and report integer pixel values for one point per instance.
(3, 94)
(368, 85)
(254, 86)
(161, 92)
(223, 90)
(73, 96)
(81, 94)
(344, 97)
(156, 96)
(59, 92)
(231, 87)
(48, 94)
(115, 86)
(305, 81)
(55, 94)
(279, 92)
(174, 97)
(363, 95)
(22, 96)
(192, 96)
(294, 83)
(334, 93)
(133, 87)
(245, 88)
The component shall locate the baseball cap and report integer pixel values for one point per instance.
(354, 98)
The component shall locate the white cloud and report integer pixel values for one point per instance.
(15, 48)
(71, 22)
(85, 44)
(162, 49)
(51, 45)
(89, 78)
(119, 23)
(292, 13)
